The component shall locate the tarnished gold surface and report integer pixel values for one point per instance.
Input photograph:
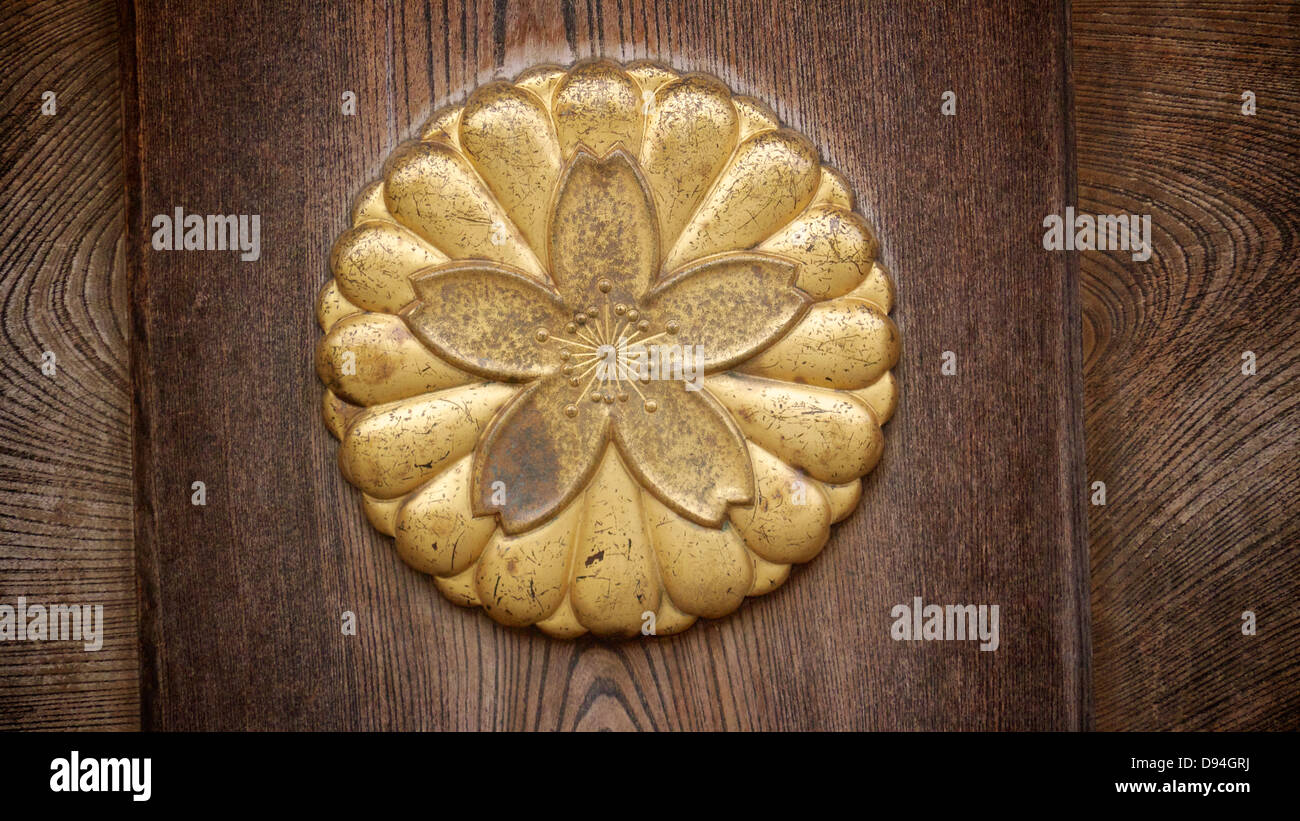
(607, 350)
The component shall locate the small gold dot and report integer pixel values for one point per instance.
(622, 397)
(571, 327)
(565, 354)
(568, 369)
(595, 397)
(570, 410)
(673, 327)
(542, 335)
(643, 325)
(609, 398)
(634, 315)
(651, 406)
(581, 319)
(620, 309)
(605, 286)
(573, 381)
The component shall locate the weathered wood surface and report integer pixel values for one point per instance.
(65, 448)
(1183, 546)
(1201, 462)
(977, 499)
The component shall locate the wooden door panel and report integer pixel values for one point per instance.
(235, 109)
(1177, 553)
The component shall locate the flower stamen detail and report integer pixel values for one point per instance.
(607, 347)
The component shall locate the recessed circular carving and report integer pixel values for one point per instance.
(607, 350)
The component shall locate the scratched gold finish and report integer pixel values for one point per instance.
(607, 350)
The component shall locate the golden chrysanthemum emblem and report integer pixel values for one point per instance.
(607, 350)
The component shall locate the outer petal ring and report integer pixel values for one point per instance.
(443, 380)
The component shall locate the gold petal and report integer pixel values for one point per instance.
(433, 190)
(391, 449)
(522, 579)
(614, 581)
(844, 498)
(331, 306)
(506, 132)
(598, 105)
(768, 576)
(844, 343)
(535, 457)
(460, 316)
(755, 117)
(541, 81)
(690, 132)
(603, 227)
(563, 623)
(382, 513)
(834, 249)
(338, 414)
(691, 455)
(830, 435)
(441, 127)
(771, 177)
(882, 396)
(436, 532)
(370, 359)
(670, 620)
(833, 190)
(877, 288)
(731, 306)
(790, 518)
(373, 263)
(649, 75)
(705, 570)
(369, 204)
(458, 589)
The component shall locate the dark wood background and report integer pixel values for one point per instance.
(981, 493)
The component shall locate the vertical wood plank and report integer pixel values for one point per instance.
(65, 459)
(978, 498)
(1200, 460)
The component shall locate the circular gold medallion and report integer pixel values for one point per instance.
(607, 350)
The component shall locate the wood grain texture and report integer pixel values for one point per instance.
(977, 499)
(1201, 462)
(65, 459)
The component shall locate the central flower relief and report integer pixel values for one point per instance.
(586, 339)
(607, 350)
